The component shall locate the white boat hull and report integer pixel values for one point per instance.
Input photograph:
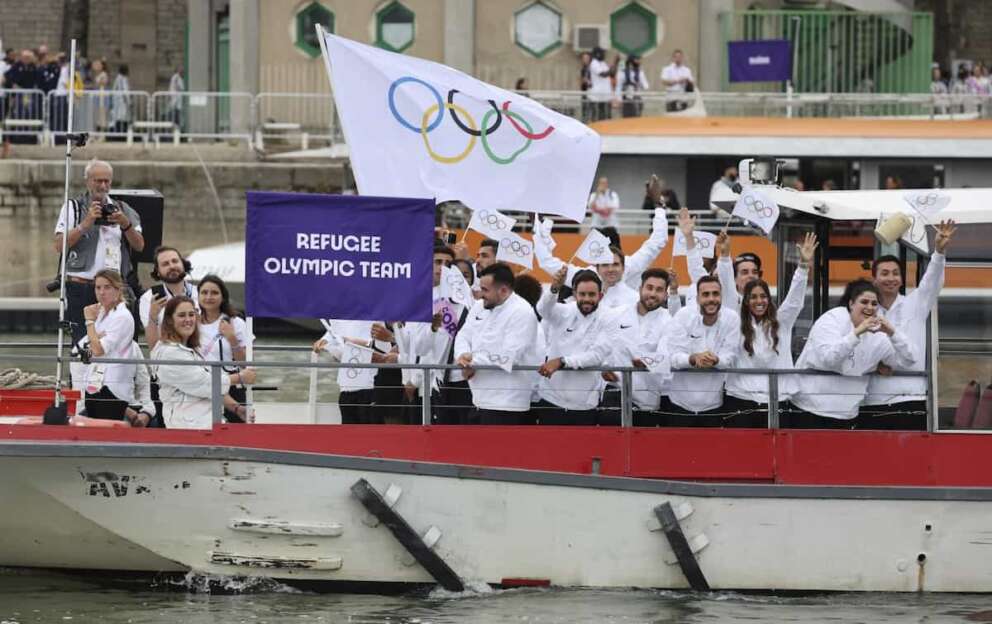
(293, 516)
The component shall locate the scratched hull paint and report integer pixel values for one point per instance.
(295, 521)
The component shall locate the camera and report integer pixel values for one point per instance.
(105, 211)
(759, 170)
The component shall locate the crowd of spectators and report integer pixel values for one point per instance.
(617, 85)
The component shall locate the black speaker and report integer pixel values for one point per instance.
(149, 204)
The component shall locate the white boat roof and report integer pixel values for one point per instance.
(226, 261)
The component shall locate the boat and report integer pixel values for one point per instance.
(387, 507)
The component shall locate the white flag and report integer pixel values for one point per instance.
(657, 362)
(493, 358)
(927, 203)
(491, 222)
(544, 227)
(416, 128)
(756, 208)
(595, 249)
(515, 249)
(453, 286)
(354, 354)
(705, 243)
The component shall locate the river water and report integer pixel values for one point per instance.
(29, 597)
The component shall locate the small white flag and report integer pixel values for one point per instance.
(544, 232)
(503, 360)
(454, 287)
(354, 354)
(756, 208)
(927, 203)
(705, 243)
(657, 363)
(595, 249)
(492, 223)
(515, 249)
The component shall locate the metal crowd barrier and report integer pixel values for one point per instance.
(311, 118)
(23, 113)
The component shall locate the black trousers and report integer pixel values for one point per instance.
(795, 418)
(77, 297)
(905, 416)
(674, 416)
(500, 417)
(105, 405)
(745, 414)
(548, 413)
(388, 400)
(356, 407)
(454, 404)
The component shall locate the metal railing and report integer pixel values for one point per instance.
(426, 385)
(306, 119)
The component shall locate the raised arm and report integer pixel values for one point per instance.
(925, 296)
(546, 259)
(789, 311)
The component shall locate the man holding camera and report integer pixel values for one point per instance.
(102, 234)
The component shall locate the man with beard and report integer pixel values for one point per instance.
(102, 234)
(704, 338)
(641, 332)
(171, 271)
(501, 330)
(578, 337)
(900, 402)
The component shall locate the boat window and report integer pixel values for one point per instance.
(964, 364)
(971, 243)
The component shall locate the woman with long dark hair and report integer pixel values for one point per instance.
(223, 336)
(766, 342)
(186, 390)
(851, 339)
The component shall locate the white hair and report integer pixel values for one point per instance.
(96, 163)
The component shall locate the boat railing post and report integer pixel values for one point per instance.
(216, 401)
(773, 401)
(425, 395)
(626, 399)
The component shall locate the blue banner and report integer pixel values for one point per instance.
(339, 256)
(760, 61)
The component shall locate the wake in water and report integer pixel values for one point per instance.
(197, 583)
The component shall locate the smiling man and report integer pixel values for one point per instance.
(706, 338)
(578, 337)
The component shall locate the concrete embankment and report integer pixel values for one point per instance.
(31, 180)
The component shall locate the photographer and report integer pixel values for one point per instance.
(102, 234)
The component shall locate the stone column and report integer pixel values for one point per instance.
(712, 52)
(244, 61)
(459, 35)
(201, 52)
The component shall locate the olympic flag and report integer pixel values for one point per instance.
(516, 249)
(595, 249)
(757, 208)
(490, 222)
(416, 128)
(705, 243)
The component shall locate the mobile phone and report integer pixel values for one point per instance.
(158, 290)
(450, 238)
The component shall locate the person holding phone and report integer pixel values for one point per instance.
(223, 336)
(171, 270)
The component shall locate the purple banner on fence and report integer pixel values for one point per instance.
(339, 256)
(760, 61)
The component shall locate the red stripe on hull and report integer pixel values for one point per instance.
(787, 457)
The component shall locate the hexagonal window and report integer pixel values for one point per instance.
(394, 27)
(537, 28)
(633, 29)
(306, 35)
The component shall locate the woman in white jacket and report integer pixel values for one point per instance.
(766, 342)
(186, 390)
(851, 339)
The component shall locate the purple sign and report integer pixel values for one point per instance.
(760, 61)
(339, 256)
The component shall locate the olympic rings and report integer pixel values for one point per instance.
(485, 144)
(473, 131)
(424, 129)
(492, 220)
(930, 199)
(434, 115)
(529, 134)
(758, 207)
(352, 373)
(520, 250)
(496, 358)
(596, 249)
(703, 243)
(396, 113)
